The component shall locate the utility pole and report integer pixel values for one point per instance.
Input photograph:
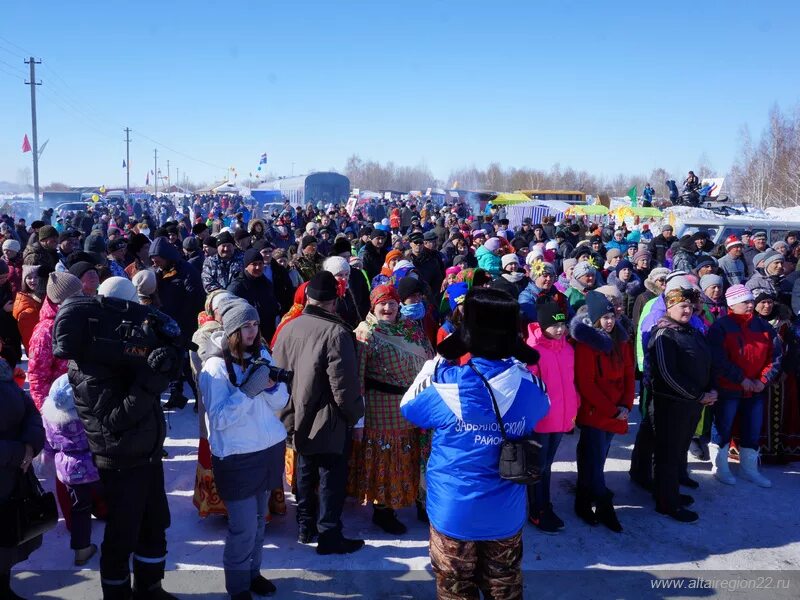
(155, 172)
(168, 175)
(127, 161)
(33, 83)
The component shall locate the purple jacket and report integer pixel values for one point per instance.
(66, 435)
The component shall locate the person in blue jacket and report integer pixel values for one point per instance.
(473, 512)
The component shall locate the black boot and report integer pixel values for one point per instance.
(147, 581)
(261, 586)
(607, 515)
(422, 513)
(385, 518)
(177, 401)
(583, 507)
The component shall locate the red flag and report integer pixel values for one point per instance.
(26, 145)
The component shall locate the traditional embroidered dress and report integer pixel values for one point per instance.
(385, 464)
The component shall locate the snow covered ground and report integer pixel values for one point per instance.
(744, 533)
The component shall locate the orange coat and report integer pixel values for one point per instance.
(26, 312)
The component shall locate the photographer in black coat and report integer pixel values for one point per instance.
(118, 399)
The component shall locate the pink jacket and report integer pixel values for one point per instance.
(556, 367)
(43, 367)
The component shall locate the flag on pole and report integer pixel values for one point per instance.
(26, 145)
(632, 194)
(263, 159)
(123, 163)
(147, 181)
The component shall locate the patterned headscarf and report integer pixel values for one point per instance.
(383, 293)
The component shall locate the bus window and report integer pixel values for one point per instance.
(777, 235)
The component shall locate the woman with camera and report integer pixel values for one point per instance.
(246, 439)
(476, 515)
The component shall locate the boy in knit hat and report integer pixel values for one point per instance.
(582, 280)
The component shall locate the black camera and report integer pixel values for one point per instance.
(277, 374)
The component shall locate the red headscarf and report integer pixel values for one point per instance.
(294, 312)
(383, 293)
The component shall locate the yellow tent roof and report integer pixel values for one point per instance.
(637, 211)
(586, 209)
(510, 198)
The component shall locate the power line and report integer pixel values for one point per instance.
(13, 67)
(25, 54)
(11, 74)
(178, 152)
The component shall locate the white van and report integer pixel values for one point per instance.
(720, 228)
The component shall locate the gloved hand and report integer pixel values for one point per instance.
(163, 360)
(257, 381)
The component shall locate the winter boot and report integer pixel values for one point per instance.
(583, 507)
(683, 515)
(261, 586)
(177, 401)
(546, 521)
(721, 469)
(277, 502)
(385, 518)
(147, 581)
(83, 555)
(748, 467)
(607, 515)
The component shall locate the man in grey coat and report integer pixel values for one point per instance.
(319, 348)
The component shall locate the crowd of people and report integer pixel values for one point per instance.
(387, 355)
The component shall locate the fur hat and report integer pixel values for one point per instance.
(341, 245)
(657, 274)
(61, 286)
(613, 253)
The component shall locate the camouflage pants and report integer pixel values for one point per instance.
(465, 569)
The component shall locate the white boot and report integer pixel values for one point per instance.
(748, 467)
(721, 470)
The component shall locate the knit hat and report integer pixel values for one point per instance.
(509, 259)
(479, 233)
(640, 255)
(11, 245)
(336, 265)
(705, 261)
(236, 315)
(341, 245)
(307, 241)
(772, 256)
(383, 293)
(456, 292)
(657, 274)
(706, 281)
(47, 232)
(551, 245)
(409, 286)
(757, 258)
(29, 270)
(597, 305)
(402, 264)
(568, 262)
(118, 287)
(61, 285)
(610, 291)
(623, 264)
(241, 234)
(252, 255)
(761, 294)
(492, 244)
(613, 253)
(393, 255)
(79, 269)
(549, 314)
(199, 228)
(679, 281)
(145, 282)
(94, 243)
(322, 287)
(162, 248)
(118, 244)
(582, 269)
(190, 244)
(732, 241)
(454, 270)
(216, 300)
(737, 294)
(224, 238)
(137, 242)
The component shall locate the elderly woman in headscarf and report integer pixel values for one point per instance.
(386, 458)
(346, 305)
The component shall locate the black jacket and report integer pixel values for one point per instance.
(182, 296)
(284, 290)
(373, 259)
(259, 293)
(658, 248)
(431, 268)
(121, 412)
(680, 362)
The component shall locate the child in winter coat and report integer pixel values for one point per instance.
(27, 304)
(605, 381)
(74, 466)
(556, 367)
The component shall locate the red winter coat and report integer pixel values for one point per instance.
(743, 347)
(43, 367)
(603, 374)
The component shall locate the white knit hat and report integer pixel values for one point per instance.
(509, 259)
(336, 265)
(118, 287)
(11, 245)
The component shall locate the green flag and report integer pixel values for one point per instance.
(633, 195)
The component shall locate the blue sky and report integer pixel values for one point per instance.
(608, 87)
